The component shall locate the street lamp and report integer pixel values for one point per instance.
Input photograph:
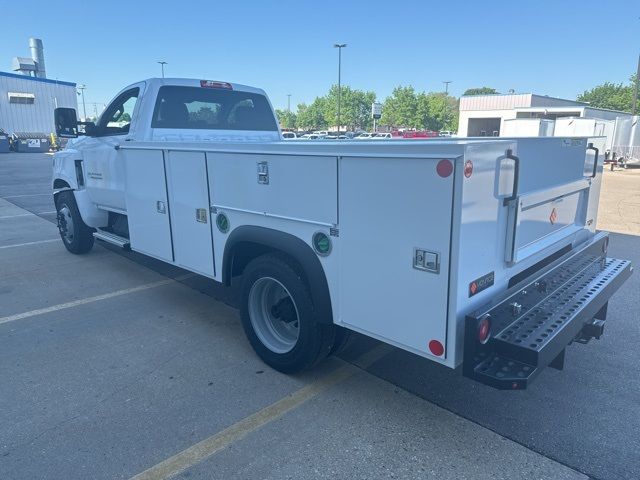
(635, 89)
(162, 64)
(84, 107)
(446, 95)
(339, 46)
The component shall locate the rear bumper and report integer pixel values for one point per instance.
(533, 322)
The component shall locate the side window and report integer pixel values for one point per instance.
(116, 119)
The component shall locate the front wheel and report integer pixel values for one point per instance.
(279, 318)
(76, 235)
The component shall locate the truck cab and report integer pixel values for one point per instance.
(161, 110)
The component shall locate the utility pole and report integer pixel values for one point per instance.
(635, 92)
(84, 107)
(339, 46)
(162, 64)
(446, 96)
(288, 103)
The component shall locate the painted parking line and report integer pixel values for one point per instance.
(96, 298)
(27, 214)
(210, 446)
(29, 243)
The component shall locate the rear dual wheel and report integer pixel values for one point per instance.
(279, 318)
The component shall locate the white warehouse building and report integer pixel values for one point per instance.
(485, 115)
(28, 98)
(27, 103)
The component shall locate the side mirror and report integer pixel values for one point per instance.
(66, 122)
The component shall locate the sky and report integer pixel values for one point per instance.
(557, 48)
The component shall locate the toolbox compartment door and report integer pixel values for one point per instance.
(190, 220)
(552, 202)
(148, 203)
(542, 218)
(391, 209)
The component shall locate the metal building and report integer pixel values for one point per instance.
(28, 98)
(485, 115)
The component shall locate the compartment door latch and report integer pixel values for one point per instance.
(263, 173)
(426, 260)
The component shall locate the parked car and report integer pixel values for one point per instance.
(381, 136)
(364, 136)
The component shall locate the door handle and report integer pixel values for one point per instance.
(516, 176)
(595, 160)
(161, 207)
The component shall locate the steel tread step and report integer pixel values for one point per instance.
(533, 322)
(112, 238)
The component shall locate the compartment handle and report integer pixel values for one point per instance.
(516, 176)
(595, 160)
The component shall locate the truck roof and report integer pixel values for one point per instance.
(196, 82)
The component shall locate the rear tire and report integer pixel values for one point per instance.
(342, 337)
(75, 234)
(279, 318)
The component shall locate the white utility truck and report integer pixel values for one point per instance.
(473, 252)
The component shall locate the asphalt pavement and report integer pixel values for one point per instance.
(114, 365)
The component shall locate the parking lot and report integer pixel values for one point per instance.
(116, 366)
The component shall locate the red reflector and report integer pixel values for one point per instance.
(484, 329)
(444, 168)
(212, 84)
(436, 348)
(468, 168)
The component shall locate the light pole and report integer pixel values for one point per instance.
(84, 107)
(446, 96)
(162, 64)
(339, 46)
(635, 89)
(288, 103)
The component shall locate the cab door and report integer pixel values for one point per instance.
(103, 165)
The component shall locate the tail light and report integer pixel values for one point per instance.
(484, 329)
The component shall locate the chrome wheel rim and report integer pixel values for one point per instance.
(65, 224)
(274, 315)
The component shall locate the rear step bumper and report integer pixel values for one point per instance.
(533, 322)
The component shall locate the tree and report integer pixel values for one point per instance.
(480, 91)
(400, 109)
(312, 116)
(355, 107)
(408, 109)
(614, 96)
(286, 119)
(440, 111)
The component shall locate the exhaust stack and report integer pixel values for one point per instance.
(37, 54)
